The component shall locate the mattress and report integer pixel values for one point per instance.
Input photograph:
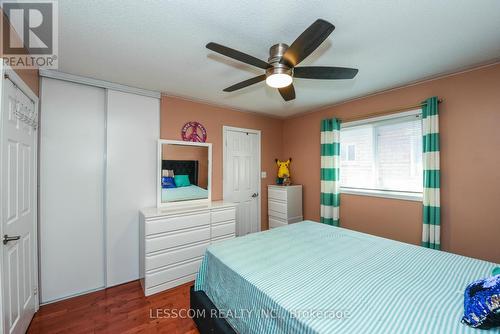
(183, 193)
(314, 278)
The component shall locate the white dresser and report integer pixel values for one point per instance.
(173, 241)
(284, 205)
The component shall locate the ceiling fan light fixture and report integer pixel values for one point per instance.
(281, 66)
(279, 80)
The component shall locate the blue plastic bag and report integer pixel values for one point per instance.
(482, 303)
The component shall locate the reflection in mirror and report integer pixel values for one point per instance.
(184, 172)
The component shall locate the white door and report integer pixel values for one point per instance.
(18, 197)
(72, 148)
(242, 177)
(133, 130)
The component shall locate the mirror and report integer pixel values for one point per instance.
(184, 172)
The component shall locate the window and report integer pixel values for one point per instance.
(382, 154)
(349, 153)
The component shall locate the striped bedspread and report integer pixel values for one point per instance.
(314, 278)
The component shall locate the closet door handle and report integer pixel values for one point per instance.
(6, 238)
(255, 195)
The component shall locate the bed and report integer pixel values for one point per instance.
(192, 192)
(314, 278)
(183, 193)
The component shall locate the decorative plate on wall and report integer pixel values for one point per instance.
(194, 131)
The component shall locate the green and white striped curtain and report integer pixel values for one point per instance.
(431, 201)
(330, 163)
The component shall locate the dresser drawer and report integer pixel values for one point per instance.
(223, 229)
(169, 274)
(223, 238)
(277, 206)
(219, 216)
(273, 222)
(148, 291)
(277, 194)
(177, 223)
(173, 256)
(277, 214)
(177, 239)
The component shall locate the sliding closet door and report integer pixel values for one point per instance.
(133, 128)
(72, 147)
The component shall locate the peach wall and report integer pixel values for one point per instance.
(30, 77)
(470, 164)
(176, 112)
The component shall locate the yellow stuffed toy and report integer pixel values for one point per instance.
(283, 172)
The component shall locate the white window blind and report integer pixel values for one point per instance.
(382, 154)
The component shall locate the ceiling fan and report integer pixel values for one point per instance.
(283, 59)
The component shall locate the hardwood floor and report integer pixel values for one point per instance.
(120, 309)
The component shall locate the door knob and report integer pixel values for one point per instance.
(255, 195)
(6, 238)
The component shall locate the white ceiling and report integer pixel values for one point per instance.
(160, 45)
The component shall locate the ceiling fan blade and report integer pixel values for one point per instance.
(288, 92)
(245, 83)
(324, 72)
(235, 54)
(307, 42)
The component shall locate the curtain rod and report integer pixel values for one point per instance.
(385, 112)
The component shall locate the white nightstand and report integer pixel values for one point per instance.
(284, 205)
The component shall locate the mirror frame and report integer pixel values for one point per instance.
(162, 142)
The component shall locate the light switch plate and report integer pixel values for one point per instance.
(263, 175)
